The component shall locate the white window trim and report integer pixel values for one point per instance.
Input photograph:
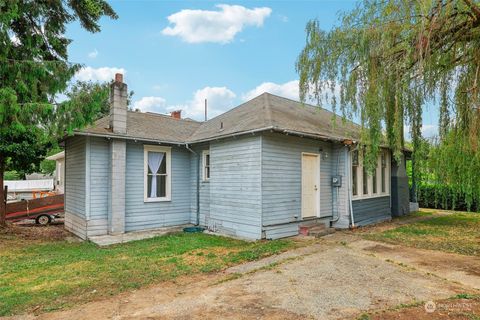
(359, 168)
(204, 164)
(168, 155)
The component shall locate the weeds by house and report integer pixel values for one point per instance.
(50, 275)
(457, 233)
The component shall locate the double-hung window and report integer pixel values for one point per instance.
(157, 173)
(206, 165)
(355, 172)
(383, 170)
(366, 185)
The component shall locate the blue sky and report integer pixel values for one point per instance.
(177, 53)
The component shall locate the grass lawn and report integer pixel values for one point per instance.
(458, 232)
(47, 275)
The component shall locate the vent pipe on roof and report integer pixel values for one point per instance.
(205, 109)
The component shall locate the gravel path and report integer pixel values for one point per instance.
(334, 279)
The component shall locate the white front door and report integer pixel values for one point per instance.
(310, 185)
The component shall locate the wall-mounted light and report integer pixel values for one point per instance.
(323, 154)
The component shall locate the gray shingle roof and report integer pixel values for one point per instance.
(271, 112)
(147, 126)
(265, 112)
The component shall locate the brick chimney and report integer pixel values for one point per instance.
(118, 105)
(177, 114)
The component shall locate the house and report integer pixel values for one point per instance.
(59, 177)
(260, 170)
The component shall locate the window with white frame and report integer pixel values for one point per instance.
(355, 164)
(206, 165)
(375, 184)
(157, 173)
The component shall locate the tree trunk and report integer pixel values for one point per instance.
(3, 196)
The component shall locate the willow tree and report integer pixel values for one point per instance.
(389, 60)
(34, 68)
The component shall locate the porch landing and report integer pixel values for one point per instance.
(110, 239)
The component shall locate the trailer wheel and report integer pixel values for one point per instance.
(43, 219)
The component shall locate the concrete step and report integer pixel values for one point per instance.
(321, 233)
(315, 229)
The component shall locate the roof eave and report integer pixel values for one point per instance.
(130, 138)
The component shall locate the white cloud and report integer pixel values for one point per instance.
(219, 100)
(196, 26)
(283, 18)
(98, 74)
(151, 104)
(93, 54)
(288, 90)
(428, 131)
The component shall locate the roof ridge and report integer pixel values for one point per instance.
(154, 114)
(268, 109)
(203, 123)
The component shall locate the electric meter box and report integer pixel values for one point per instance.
(336, 181)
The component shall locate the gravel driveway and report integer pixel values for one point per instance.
(333, 279)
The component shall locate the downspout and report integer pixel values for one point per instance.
(198, 183)
(349, 193)
(336, 189)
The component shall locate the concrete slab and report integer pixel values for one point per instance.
(108, 240)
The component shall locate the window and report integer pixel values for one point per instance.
(157, 173)
(366, 185)
(383, 169)
(365, 181)
(206, 165)
(355, 172)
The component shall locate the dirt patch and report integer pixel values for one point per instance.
(455, 309)
(55, 232)
(455, 267)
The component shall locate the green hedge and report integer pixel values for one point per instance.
(443, 197)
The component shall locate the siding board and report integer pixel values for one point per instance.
(140, 215)
(282, 175)
(235, 186)
(371, 210)
(75, 200)
(99, 171)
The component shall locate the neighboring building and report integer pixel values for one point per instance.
(59, 177)
(260, 170)
(28, 189)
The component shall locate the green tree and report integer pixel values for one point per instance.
(34, 68)
(95, 94)
(83, 93)
(390, 59)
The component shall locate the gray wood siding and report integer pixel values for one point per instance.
(75, 200)
(371, 210)
(282, 177)
(142, 215)
(235, 187)
(341, 199)
(99, 186)
(204, 187)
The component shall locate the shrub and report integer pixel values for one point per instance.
(444, 197)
